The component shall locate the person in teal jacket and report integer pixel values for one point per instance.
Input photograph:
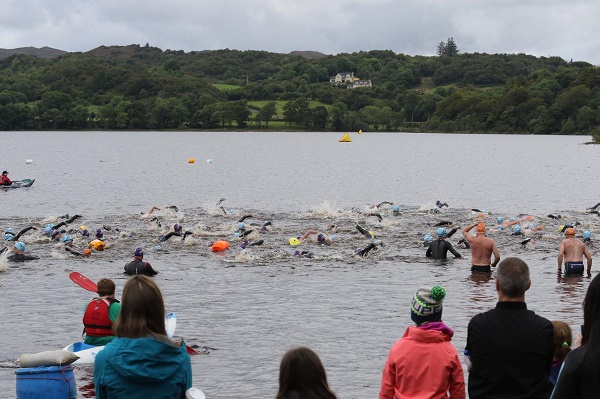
(142, 362)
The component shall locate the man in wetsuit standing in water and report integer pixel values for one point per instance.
(438, 249)
(482, 249)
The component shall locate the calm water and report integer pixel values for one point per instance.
(252, 306)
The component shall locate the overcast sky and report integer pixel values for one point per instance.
(566, 28)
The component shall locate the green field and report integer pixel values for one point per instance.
(280, 104)
(224, 87)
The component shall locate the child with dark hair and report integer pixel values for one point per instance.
(302, 375)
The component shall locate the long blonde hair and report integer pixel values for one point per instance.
(142, 310)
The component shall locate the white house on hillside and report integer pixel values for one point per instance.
(360, 83)
(342, 77)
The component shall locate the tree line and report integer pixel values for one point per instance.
(143, 87)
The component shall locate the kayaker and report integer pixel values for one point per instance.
(138, 266)
(100, 313)
(142, 362)
(18, 255)
(4, 180)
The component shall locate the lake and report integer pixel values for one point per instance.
(248, 307)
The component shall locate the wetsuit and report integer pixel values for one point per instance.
(365, 251)
(21, 257)
(138, 266)
(438, 249)
(66, 222)
(244, 218)
(72, 251)
(171, 234)
(364, 231)
(377, 215)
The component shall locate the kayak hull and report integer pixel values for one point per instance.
(20, 183)
(87, 353)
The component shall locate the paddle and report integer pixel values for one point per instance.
(83, 281)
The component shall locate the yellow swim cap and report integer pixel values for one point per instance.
(294, 241)
(561, 228)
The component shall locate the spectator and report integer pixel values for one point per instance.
(302, 375)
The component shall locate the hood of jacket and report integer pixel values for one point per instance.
(146, 360)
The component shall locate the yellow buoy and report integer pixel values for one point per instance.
(191, 160)
(360, 131)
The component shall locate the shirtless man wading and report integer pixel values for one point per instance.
(482, 249)
(572, 251)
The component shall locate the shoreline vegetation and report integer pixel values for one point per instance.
(144, 88)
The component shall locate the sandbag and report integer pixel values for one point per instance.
(47, 358)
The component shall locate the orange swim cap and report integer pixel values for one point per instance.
(480, 227)
(87, 252)
(570, 231)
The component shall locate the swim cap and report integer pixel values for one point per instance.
(85, 233)
(20, 246)
(561, 228)
(55, 233)
(296, 253)
(231, 211)
(587, 235)
(294, 241)
(99, 233)
(441, 232)
(82, 228)
(138, 252)
(8, 237)
(87, 252)
(177, 227)
(48, 228)
(531, 225)
(67, 239)
(236, 234)
(480, 227)
(241, 225)
(570, 231)
(10, 230)
(517, 229)
(499, 219)
(396, 208)
(428, 238)
(320, 238)
(438, 202)
(372, 234)
(157, 247)
(513, 219)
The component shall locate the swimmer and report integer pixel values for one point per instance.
(517, 231)
(66, 222)
(303, 254)
(572, 252)
(365, 251)
(443, 223)
(138, 266)
(482, 249)
(247, 244)
(381, 204)
(18, 253)
(441, 204)
(246, 217)
(593, 208)
(438, 249)
(377, 215)
(177, 231)
(396, 210)
(525, 241)
(365, 232)
(68, 241)
(427, 239)
(551, 216)
(10, 235)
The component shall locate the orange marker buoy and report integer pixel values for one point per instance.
(191, 160)
(220, 246)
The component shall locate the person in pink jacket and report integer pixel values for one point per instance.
(424, 363)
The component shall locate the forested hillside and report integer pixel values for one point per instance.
(142, 87)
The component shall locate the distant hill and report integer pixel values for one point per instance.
(311, 55)
(44, 52)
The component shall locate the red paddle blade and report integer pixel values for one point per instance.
(191, 350)
(83, 281)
